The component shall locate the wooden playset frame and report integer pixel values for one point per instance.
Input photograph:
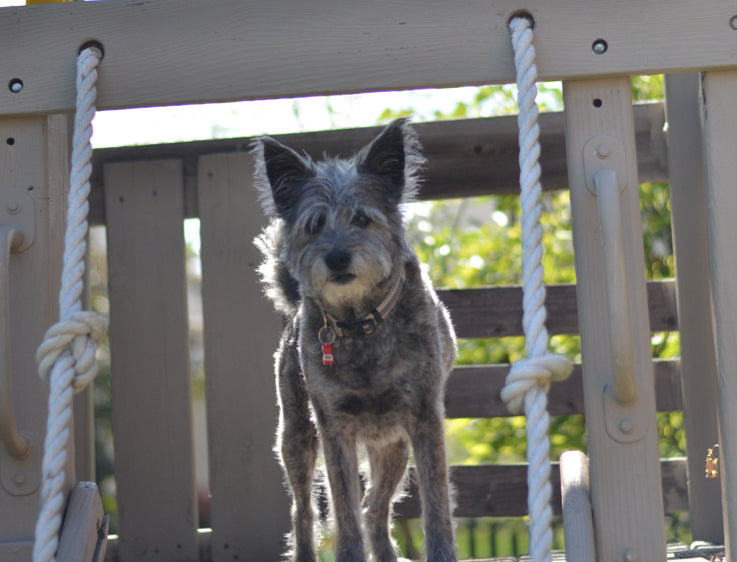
(167, 52)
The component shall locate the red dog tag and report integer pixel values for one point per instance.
(327, 354)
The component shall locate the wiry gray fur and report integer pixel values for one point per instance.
(337, 245)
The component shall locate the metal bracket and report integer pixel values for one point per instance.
(605, 167)
(20, 458)
(600, 152)
(17, 209)
(22, 477)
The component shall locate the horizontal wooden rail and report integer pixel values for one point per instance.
(473, 391)
(465, 157)
(497, 311)
(171, 52)
(500, 490)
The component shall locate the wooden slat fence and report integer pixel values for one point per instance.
(142, 194)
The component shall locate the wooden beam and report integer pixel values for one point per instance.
(465, 157)
(691, 249)
(187, 51)
(719, 129)
(497, 311)
(473, 391)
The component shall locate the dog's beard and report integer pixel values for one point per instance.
(337, 291)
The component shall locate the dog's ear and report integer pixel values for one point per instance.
(384, 157)
(285, 171)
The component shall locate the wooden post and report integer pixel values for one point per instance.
(578, 525)
(719, 128)
(624, 467)
(33, 179)
(698, 360)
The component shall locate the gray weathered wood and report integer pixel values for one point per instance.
(473, 391)
(34, 162)
(464, 157)
(624, 475)
(150, 362)
(698, 361)
(84, 534)
(576, 506)
(497, 311)
(719, 129)
(224, 50)
(250, 512)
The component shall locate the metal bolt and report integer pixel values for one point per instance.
(625, 425)
(16, 85)
(13, 206)
(19, 478)
(600, 46)
(733, 22)
(603, 151)
(630, 556)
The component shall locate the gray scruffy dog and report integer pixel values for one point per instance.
(367, 346)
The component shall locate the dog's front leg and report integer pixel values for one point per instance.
(432, 471)
(341, 461)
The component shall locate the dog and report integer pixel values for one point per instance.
(366, 348)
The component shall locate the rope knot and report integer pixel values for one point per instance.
(79, 335)
(529, 372)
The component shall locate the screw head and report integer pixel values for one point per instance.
(733, 22)
(600, 46)
(626, 426)
(603, 151)
(15, 85)
(19, 478)
(13, 206)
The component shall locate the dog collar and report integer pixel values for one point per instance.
(333, 328)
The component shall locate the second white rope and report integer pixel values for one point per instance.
(67, 355)
(529, 379)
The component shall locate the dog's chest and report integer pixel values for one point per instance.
(370, 378)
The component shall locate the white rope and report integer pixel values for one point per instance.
(529, 379)
(67, 355)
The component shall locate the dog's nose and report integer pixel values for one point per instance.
(338, 259)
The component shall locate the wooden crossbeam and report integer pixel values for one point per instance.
(187, 51)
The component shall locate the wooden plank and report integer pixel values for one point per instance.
(154, 466)
(497, 311)
(250, 511)
(473, 391)
(464, 157)
(33, 155)
(698, 360)
(500, 490)
(622, 439)
(719, 127)
(224, 50)
(81, 539)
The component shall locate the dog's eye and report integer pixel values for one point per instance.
(361, 219)
(316, 225)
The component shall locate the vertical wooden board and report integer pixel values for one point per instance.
(154, 465)
(719, 129)
(698, 360)
(33, 164)
(249, 503)
(624, 477)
